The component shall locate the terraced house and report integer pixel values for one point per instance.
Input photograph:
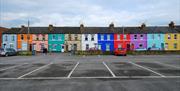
(64, 39)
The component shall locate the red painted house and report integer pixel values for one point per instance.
(122, 41)
(2, 29)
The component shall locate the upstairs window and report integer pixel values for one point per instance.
(69, 36)
(92, 37)
(6, 38)
(13, 38)
(37, 37)
(152, 36)
(86, 37)
(169, 36)
(108, 37)
(135, 37)
(124, 37)
(22, 37)
(28, 37)
(53, 37)
(118, 37)
(43, 37)
(159, 36)
(76, 37)
(102, 37)
(59, 37)
(175, 36)
(141, 37)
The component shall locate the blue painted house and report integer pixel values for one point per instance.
(9, 41)
(106, 42)
(156, 38)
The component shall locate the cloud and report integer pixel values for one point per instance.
(90, 12)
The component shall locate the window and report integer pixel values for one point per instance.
(87, 46)
(154, 45)
(135, 36)
(99, 47)
(13, 38)
(76, 37)
(141, 37)
(159, 36)
(69, 36)
(108, 37)
(166, 45)
(22, 37)
(53, 37)
(92, 37)
(43, 37)
(107, 47)
(140, 45)
(118, 37)
(59, 37)
(175, 36)
(86, 37)
(169, 36)
(28, 37)
(175, 45)
(37, 37)
(102, 37)
(6, 38)
(11, 45)
(125, 37)
(119, 46)
(152, 36)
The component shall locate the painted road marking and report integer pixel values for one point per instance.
(73, 70)
(109, 69)
(34, 70)
(12, 67)
(117, 77)
(168, 65)
(147, 69)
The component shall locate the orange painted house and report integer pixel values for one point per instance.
(23, 42)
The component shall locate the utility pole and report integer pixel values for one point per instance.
(28, 37)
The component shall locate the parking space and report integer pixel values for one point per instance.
(167, 70)
(87, 69)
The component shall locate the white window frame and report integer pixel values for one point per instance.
(102, 37)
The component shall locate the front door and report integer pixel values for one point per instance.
(128, 47)
(75, 47)
(162, 46)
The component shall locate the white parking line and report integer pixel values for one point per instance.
(117, 77)
(109, 69)
(12, 67)
(73, 70)
(34, 70)
(168, 65)
(147, 69)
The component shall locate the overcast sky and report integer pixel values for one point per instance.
(14, 13)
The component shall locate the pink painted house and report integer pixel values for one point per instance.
(39, 41)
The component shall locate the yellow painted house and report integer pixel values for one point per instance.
(172, 41)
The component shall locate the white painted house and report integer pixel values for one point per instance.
(89, 41)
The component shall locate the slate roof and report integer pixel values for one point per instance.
(94, 30)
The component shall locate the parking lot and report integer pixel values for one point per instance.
(61, 72)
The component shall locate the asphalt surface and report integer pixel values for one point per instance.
(61, 72)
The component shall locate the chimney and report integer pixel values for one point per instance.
(82, 28)
(172, 25)
(143, 26)
(23, 28)
(111, 26)
(50, 28)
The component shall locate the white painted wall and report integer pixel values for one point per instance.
(89, 41)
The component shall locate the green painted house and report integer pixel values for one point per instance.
(56, 42)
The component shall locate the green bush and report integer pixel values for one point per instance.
(24, 53)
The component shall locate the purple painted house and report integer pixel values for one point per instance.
(139, 41)
(138, 36)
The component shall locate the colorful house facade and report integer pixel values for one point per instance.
(9, 41)
(2, 29)
(155, 41)
(122, 41)
(39, 41)
(56, 42)
(106, 42)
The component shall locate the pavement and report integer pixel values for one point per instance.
(61, 72)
